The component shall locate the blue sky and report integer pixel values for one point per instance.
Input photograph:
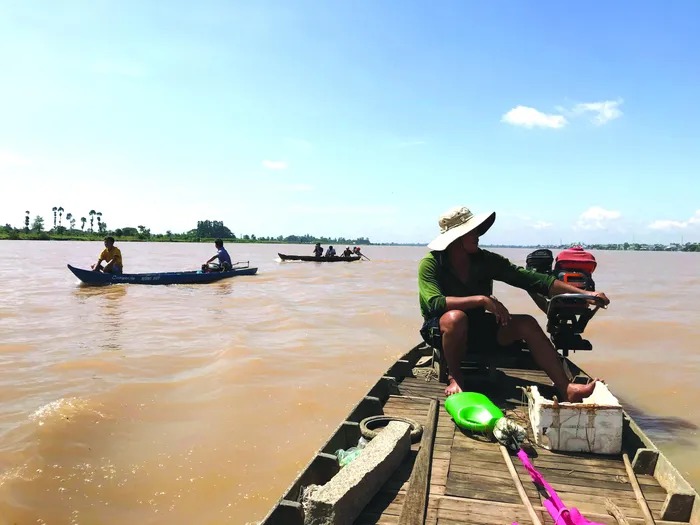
(574, 122)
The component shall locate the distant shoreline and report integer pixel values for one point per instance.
(89, 236)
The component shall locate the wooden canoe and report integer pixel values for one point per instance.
(312, 258)
(100, 279)
(451, 477)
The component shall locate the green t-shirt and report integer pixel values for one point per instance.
(436, 281)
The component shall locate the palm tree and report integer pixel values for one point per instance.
(69, 218)
(92, 218)
(54, 216)
(26, 220)
(99, 221)
(83, 220)
(60, 214)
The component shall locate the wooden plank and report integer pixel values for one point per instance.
(414, 509)
(462, 506)
(587, 478)
(648, 518)
(615, 512)
(369, 406)
(286, 513)
(453, 509)
(481, 492)
(519, 486)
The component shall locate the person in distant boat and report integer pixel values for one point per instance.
(356, 250)
(455, 285)
(318, 251)
(222, 255)
(330, 252)
(347, 252)
(111, 256)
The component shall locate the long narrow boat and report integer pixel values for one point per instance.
(312, 258)
(453, 477)
(194, 277)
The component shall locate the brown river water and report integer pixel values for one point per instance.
(200, 403)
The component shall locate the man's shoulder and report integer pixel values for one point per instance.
(431, 260)
(487, 255)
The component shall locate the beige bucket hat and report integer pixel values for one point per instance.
(459, 221)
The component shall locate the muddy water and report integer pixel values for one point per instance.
(199, 404)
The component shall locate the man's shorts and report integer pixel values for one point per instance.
(482, 332)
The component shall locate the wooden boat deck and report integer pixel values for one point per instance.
(470, 482)
(454, 477)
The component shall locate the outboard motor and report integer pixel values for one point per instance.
(540, 261)
(567, 314)
(576, 266)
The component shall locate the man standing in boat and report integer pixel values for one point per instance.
(455, 283)
(111, 256)
(222, 255)
(318, 251)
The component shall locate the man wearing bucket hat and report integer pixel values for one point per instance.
(455, 282)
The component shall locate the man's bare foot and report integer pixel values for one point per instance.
(575, 392)
(452, 388)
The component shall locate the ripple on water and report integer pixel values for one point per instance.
(201, 403)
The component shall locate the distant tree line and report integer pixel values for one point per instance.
(205, 230)
(626, 246)
(211, 229)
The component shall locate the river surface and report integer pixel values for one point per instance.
(199, 404)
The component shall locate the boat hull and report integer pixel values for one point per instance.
(93, 278)
(311, 258)
(461, 477)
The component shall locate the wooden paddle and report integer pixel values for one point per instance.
(363, 255)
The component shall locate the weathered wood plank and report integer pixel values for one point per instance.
(482, 492)
(414, 509)
(616, 512)
(519, 486)
(648, 518)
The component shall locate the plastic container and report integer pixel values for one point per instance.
(593, 426)
(346, 456)
(473, 411)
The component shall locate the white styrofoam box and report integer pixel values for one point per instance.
(595, 425)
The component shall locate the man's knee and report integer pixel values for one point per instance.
(526, 324)
(454, 322)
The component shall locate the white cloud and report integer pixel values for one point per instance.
(599, 112)
(528, 117)
(542, 225)
(675, 225)
(596, 218)
(603, 112)
(275, 165)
